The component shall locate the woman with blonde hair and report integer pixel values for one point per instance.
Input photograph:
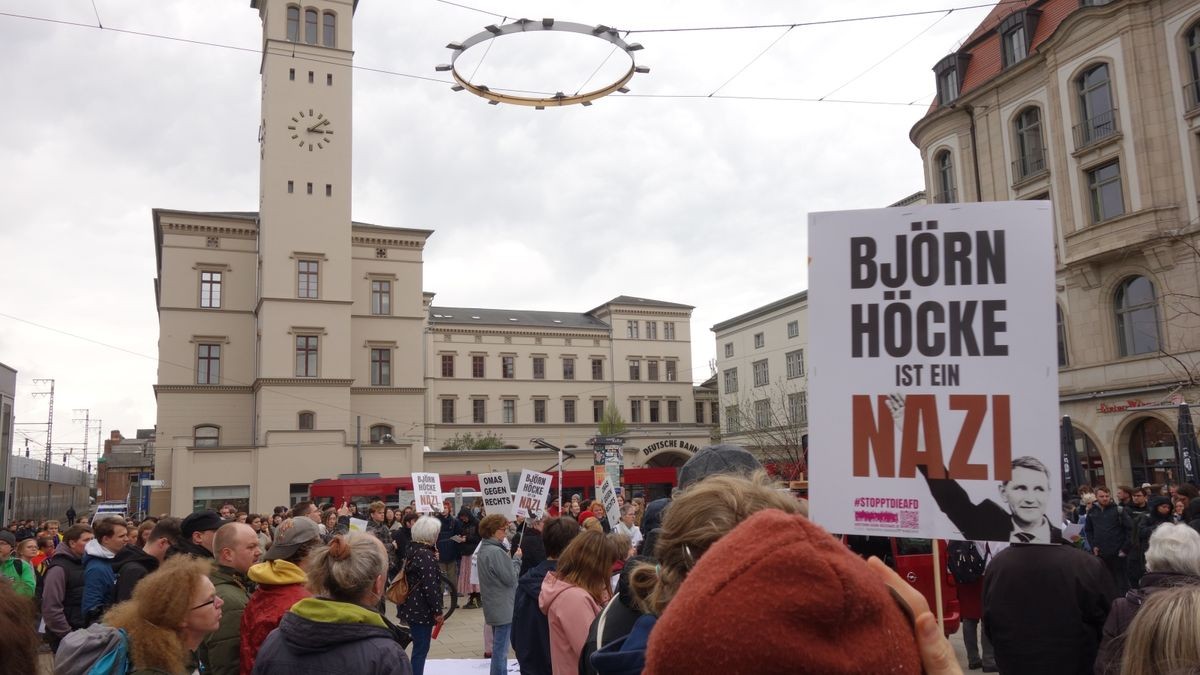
(573, 594)
(1164, 638)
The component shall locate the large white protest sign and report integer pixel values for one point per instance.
(532, 492)
(428, 489)
(933, 375)
(608, 497)
(497, 498)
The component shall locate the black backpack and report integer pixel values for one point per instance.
(964, 562)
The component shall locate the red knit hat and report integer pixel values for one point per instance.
(779, 594)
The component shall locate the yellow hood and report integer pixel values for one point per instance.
(276, 573)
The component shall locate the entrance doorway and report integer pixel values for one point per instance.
(668, 459)
(1152, 452)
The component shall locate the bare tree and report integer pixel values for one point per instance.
(772, 422)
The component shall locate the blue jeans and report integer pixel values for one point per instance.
(422, 635)
(500, 636)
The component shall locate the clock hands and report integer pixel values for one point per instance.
(318, 125)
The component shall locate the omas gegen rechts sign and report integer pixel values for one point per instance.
(934, 379)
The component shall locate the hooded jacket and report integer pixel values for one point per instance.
(99, 581)
(280, 586)
(618, 618)
(130, 564)
(1109, 529)
(530, 628)
(1112, 644)
(446, 546)
(470, 530)
(326, 637)
(21, 574)
(221, 649)
(569, 610)
(62, 592)
(627, 654)
(497, 582)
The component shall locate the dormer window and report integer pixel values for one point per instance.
(949, 72)
(1016, 35)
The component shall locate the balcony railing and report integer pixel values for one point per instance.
(1029, 165)
(1096, 129)
(1191, 95)
(948, 197)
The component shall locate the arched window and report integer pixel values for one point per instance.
(945, 178)
(1152, 453)
(329, 29)
(1031, 156)
(307, 421)
(1090, 460)
(1062, 339)
(382, 433)
(310, 26)
(1137, 317)
(206, 436)
(1193, 55)
(1098, 117)
(293, 23)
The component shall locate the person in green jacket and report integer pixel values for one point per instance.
(235, 548)
(17, 571)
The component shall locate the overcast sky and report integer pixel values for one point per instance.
(695, 200)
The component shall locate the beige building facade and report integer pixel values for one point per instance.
(296, 344)
(1094, 107)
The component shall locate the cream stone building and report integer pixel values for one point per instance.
(1093, 105)
(296, 344)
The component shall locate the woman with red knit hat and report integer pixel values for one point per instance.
(573, 594)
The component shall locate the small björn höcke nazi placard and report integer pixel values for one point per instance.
(933, 379)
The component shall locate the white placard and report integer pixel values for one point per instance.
(608, 497)
(358, 525)
(532, 492)
(932, 351)
(497, 498)
(428, 490)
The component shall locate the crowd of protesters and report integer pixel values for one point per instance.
(705, 580)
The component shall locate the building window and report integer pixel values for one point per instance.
(668, 330)
(477, 366)
(1031, 154)
(210, 289)
(1015, 33)
(539, 367)
(206, 437)
(716, 414)
(793, 329)
(760, 340)
(447, 365)
(761, 376)
(946, 192)
(447, 411)
(699, 412)
(655, 415)
(1104, 185)
(539, 411)
(1062, 339)
(293, 24)
(510, 411)
(310, 26)
(651, 330)
(597, 410)
(382, 433)
(306, 356)
(635, 369)
(478, 411)
(597, 369)
(306, 286)
(732, 423)
(731, 384)
(381, 297)
(508, 367)
(671, 367)
(948, 72)
(631, 329)
(635, 411)
(208, 364)
(795, 364)
(306, 421)
(569, 411)
(381, 367)
(672, 411)
(1152, 452)
(1192, 89)
(329, 30)
(762, 414)
(568, 369)
(798, 409)
(652, 370)
(1137, 317)
(1098, 117)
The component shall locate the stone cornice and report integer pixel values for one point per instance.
(387, 391)
(467, 329)
(300, 382)
(239, 231)
(201, 389)
(393, 242)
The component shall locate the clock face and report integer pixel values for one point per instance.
(311, 129)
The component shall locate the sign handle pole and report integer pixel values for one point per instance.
(937, 585)
(560, 501)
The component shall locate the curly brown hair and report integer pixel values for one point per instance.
(159, 607)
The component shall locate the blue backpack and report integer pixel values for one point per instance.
(95, 650)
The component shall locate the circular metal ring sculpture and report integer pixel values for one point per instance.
(559, 99)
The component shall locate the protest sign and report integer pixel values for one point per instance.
(608, 497)
(497, 498)
(428, 488)
(358, 525)
(532, 492)
(933, 375)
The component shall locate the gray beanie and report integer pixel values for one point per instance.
(717, 459)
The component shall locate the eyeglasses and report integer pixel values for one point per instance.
(211, 601)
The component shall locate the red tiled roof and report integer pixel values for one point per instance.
(994, 17)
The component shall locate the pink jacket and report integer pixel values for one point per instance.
(570, 611)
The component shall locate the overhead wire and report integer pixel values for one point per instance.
(751, 62)
(889, 55)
